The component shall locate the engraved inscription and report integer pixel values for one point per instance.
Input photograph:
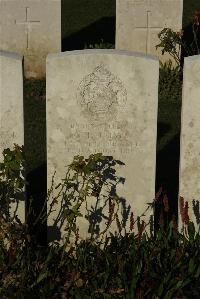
(106, 138)
(100, 94)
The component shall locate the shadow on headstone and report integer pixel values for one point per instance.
(95, 214)
(103, 29)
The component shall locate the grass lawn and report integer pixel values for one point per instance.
(79, 14)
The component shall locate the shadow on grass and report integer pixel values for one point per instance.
(101, 29)
(35, 152)
(167, 176)
(36, 189)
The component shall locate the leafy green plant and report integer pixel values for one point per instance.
(164, 265)
(12, 179)
(170, 82)
(171, 42)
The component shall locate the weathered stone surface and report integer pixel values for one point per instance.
(189, 183)
(31, 28)
(104, 101)
(138, 23)
(11, 105)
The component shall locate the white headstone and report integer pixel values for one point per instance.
(31, 28)
(11, 105)
(104, 101)
(189, 182)
(138, 23)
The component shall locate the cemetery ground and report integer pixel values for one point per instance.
(166, 265)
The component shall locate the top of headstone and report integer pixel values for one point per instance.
(11, 55)
(194, 57)
(102, 51)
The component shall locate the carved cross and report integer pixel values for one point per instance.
(148, 29)
(28, 23)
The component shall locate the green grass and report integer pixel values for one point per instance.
(35, 123)
(78, 14)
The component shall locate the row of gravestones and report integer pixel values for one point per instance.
(32, 28)
(106, 101)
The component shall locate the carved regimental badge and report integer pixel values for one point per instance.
(101, 94)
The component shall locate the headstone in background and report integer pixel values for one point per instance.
(138, 23)
(104, 101)
(33, 29)
(11, 105)
(189, 176)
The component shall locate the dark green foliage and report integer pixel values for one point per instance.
(189, 7)
(183, 43)
(170, 83)
(11, 179)
(135, 265)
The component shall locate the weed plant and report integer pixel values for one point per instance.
(173, 42)
(170, 83)
(135, 265)
(163, 264)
